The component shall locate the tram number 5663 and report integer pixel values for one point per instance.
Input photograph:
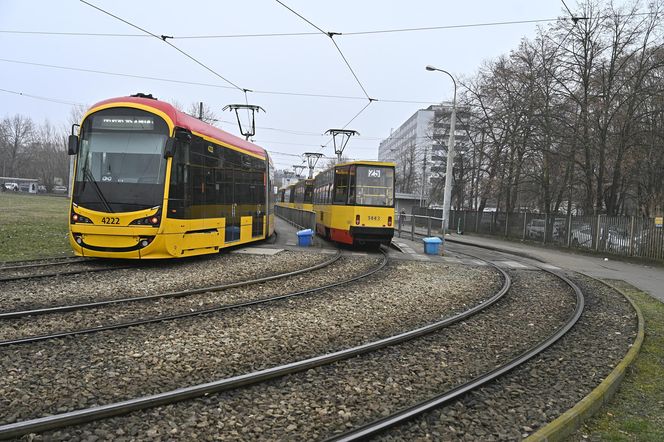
(110, 220)
(374, 173)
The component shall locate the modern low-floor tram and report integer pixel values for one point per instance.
(153, 182)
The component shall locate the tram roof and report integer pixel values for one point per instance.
(185, 121)
(366, 163)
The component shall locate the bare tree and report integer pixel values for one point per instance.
(16, 133)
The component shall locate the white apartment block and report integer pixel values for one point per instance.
(419, 147)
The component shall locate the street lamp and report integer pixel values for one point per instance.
(450, 156)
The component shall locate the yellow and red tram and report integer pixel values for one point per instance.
(303, 192)
(354, 202)
(153, 182)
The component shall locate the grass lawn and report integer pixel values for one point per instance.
(33, 226)
(636, 412)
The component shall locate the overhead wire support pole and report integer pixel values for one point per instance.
(312, 158)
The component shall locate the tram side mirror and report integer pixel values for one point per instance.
(169, 149)
(73, 145)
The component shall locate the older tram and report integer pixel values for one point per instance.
(354, 202)
(153, 182)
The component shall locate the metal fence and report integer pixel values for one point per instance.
(620, 235)
(299, 218)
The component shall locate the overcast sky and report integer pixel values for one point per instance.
(390, 66)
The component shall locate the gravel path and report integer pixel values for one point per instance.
(539, 392)
(319, 402)
(110, 314)
(151, 278)
(64, 374)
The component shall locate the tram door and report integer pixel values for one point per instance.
(232, 215)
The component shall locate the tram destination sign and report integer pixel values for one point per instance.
(124, 123)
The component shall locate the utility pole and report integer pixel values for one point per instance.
(450, 155)
(200, 110)
(424, 176)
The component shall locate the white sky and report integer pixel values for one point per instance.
(390, 66)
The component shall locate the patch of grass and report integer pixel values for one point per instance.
(33, 226)
(636, 412)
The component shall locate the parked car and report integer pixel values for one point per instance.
(11, 186)
(59, 189)
(41, 188)
(535, 229)
(582, 237)
(610, 239)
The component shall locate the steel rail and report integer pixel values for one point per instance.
(406, 414)
(71, 272)
(219, 308)
(178, 294)
(114, 409)
(67, 260)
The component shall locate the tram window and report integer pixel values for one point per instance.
(341, 185)
(374, 186)
(351, 185)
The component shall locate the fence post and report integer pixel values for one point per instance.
(400, 221)
(546, 227)
(631, 236)
(597, 234)
(412, 227)
(429, 226)
(464, 219)
(525, 220)
(507, 221)
(569, 230)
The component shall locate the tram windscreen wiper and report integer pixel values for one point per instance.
(87, 176)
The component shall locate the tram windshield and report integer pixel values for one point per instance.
(121, 165)
(371, 186)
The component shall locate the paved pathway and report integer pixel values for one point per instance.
(646, 277)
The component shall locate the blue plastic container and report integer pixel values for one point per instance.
(432, 245)
(304, 237)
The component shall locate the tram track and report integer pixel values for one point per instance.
(16, 273)
(407, 414)
(259, 376)
(194, 313)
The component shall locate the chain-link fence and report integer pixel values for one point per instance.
(620, 235)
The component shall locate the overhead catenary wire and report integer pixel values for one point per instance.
(195, 83)
(331, 36)
(309, 34)
(165, 38)
(287, 131)
(37, 97)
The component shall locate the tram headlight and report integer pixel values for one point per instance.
(76, 218)
(357, 220)
(147, 221)
(389, 221)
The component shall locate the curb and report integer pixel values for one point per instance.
(571, 420)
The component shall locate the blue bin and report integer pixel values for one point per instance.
(432, 245)
(304, 237)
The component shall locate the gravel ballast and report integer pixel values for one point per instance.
(319, 402)
(132, 311)
(65, 374)
(537, 393)
(151, 278)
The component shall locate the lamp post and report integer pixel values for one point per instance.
(450, 156)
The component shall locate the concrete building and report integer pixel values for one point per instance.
(419, 147)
